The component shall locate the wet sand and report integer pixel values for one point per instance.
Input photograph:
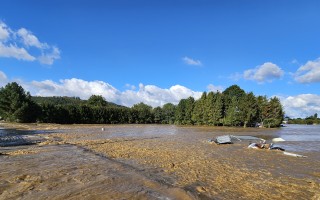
(152, 162)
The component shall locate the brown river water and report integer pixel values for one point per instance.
(158, 162)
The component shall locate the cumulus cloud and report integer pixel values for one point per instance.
(74, 87)
(29, 39)
(129, 86)
(15, 52)
(309, 72)
(19, 44)
(266, 72)
(302, 105)
(148, 94)
(190, 61)
(49, 58)
(215, 88)
(156, 96)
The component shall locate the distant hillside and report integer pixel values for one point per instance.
(58, 100)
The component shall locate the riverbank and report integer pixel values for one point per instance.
(177, 160)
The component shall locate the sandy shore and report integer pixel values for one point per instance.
(186, 164)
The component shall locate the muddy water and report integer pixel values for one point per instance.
(154, 162)
(65, 171)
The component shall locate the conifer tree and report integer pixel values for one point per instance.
(16, 104)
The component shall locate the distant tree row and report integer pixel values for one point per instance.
(233, 107)
(313, 119)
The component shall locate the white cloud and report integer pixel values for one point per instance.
(30, 40)
(302, 105)
(4, 31)
(49, 58)
(12, 51)
(266, 72)
(148, 94)
(129, 86)
(156, 96)
(74, 87)
(309, 73)
(190, 61)
(214, 88)
(16, 44)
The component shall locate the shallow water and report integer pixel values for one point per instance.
(299, 138)
(156, 162)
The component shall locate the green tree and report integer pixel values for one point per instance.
(249, 109)
(234, 91)
(273, 113)
(16, 104)
(189, 110)
(47, 113)
(158, 116)
(74, 113)
(183, 114)
(86, 114)
(214, 108)
(168, 111)
(199, 115)
(232, 117)
(231, 92)
(210, 108)
(180, 111)
(144, 111)
(262, 102)
(218, 109)
(97, 100)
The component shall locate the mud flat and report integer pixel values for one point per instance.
(152, 162)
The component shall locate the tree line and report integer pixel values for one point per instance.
(313, 119)
(233, 107)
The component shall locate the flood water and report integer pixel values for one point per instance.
(158, 162)
(301, 138)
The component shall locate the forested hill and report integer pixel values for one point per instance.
(57, 100)
(232, 107)
(64, 100)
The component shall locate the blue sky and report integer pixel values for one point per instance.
(160, 51)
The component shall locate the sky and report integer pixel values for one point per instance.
(161, 51)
